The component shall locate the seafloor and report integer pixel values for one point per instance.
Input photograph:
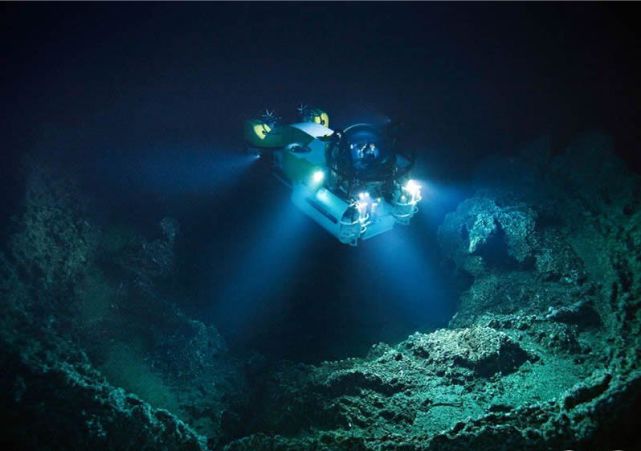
(543, 352)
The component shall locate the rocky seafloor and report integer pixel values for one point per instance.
(543, 352)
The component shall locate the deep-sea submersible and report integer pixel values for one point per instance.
(352, 182)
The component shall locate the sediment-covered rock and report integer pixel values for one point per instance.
(483, 350)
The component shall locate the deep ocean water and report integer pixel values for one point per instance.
(171, 297)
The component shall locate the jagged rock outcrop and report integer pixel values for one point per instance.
(570, 238)
(481, 233)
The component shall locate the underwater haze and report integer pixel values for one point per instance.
(159, 289)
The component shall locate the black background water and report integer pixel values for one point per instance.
(145, 104)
